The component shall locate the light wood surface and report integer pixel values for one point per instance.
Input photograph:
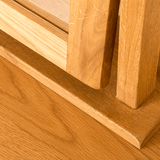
(55, 11)
(135, 126)
(37, 124)
(34, 32)
(139, 46)
(91, 38)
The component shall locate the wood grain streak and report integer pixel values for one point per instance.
(139, 46)
(91, 38)
(38, 124)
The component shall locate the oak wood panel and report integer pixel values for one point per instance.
(91, 38)
(136, 126)
(57, 12)
(34, 32)
(139, 46)
(36, 123)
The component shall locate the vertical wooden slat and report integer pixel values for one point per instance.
(91, 40)
(139, 44)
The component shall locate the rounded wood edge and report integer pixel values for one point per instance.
(150, 134)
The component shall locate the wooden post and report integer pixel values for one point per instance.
(139, 45)
(92, 30)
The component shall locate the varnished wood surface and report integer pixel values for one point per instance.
(139, 46)
(33, 31)
(55, 11)
(136, 126)
(37, 124)
(92, 29)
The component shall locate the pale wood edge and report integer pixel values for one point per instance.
(55, 43)
(44, 14)
(130, 136)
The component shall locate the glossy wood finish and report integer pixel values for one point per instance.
(33, 31)
(56, 12)
(136, 126)
(91, 38)
(37, 124)
(139, 46)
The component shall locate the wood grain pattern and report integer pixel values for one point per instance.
(100, 104)
(34, 32)
(57, 12)
(139, 46)
(37, 124)
(92, 30)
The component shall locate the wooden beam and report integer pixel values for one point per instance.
(92, 30)
(34, 32)
(139, 45)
